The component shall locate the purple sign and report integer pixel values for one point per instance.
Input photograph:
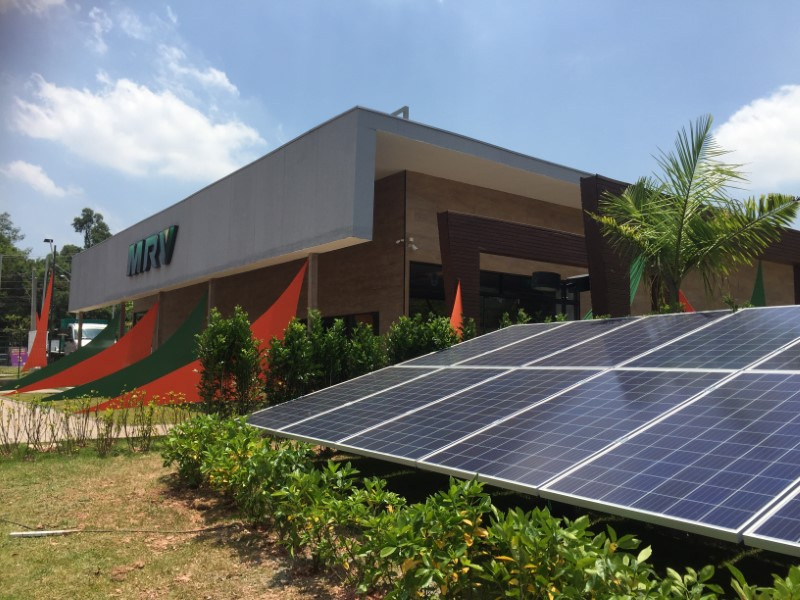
(17, 356)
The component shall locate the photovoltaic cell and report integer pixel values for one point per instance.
(537, 347)
(346, 421)
(558, 409)
(533, 447)
(281, 415)
(731, 343)
(781, 530)
(625, 343)
(788, 360)
(717, 462)
(435, 426)
(481, 344)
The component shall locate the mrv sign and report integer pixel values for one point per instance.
(152, 251)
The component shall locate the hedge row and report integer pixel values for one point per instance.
(238, 377)
(456, 544)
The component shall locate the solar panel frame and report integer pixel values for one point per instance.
(293, 411)
(524, 352)
(755, 363)
(586, 403)
(428, 426)
(597, 351)
(375, 409)
(691, 463)
(481, 345)
(785, 359)
(778, 529)
(737, 331)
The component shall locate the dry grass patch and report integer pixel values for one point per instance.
(133, 492)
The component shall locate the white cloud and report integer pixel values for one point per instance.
(174, 61)
(171, 15)
(101, 24)
(34, 7)
(35, 177)
(133, 129)
(130, 23)
(765, 136)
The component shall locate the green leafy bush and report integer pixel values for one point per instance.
(186, 445)
(311, 357)
(231, 364)
(411, 337)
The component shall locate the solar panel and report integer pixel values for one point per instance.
(480, 345)
(552, 341)
(671, 419)
(435, 426)
(716, 463)
(787, 360)
(731, 343)
(625, 343)
(358, 415)
(779, 529)
(281, 415)
(534, 446)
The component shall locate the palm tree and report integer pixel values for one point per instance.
(684, 219)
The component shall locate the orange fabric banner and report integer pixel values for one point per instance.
(37, 357)
(183, 382)
(131, 348)
(684, 302)
(456, 317)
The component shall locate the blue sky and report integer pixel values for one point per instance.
(128, 107)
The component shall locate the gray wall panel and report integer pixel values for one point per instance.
(300, 196)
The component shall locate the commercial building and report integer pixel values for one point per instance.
(390, 213)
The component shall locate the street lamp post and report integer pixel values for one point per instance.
(44, 290)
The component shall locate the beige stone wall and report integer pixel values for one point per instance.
(778, 285)
(369, 277)
(255, 291)
(427, 196)
(176, 305)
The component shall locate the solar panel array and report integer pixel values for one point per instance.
(688, 420)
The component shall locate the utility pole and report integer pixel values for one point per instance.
(44, 279)
(33, 308)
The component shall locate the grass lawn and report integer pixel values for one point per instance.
(132, 491)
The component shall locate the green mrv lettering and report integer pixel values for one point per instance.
(153, 251)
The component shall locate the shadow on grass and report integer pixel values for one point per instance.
(253, 545)
(672, 548)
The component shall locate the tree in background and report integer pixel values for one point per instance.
(684, 219)
(15, 288)
(92, 226)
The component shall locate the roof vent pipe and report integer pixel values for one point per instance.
(401, 112)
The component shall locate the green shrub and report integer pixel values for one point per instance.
(266, 470)
(366, 351)
(231, 362)
(186, 445)
(301, 510)
(311, 357)
(291, 366)
(432, 547)
(411, 337)
(519, 318)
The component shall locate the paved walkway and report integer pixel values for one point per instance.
(40, 425)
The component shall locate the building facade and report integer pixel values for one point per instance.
(390, 214)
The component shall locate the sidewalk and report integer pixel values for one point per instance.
(21, 422)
